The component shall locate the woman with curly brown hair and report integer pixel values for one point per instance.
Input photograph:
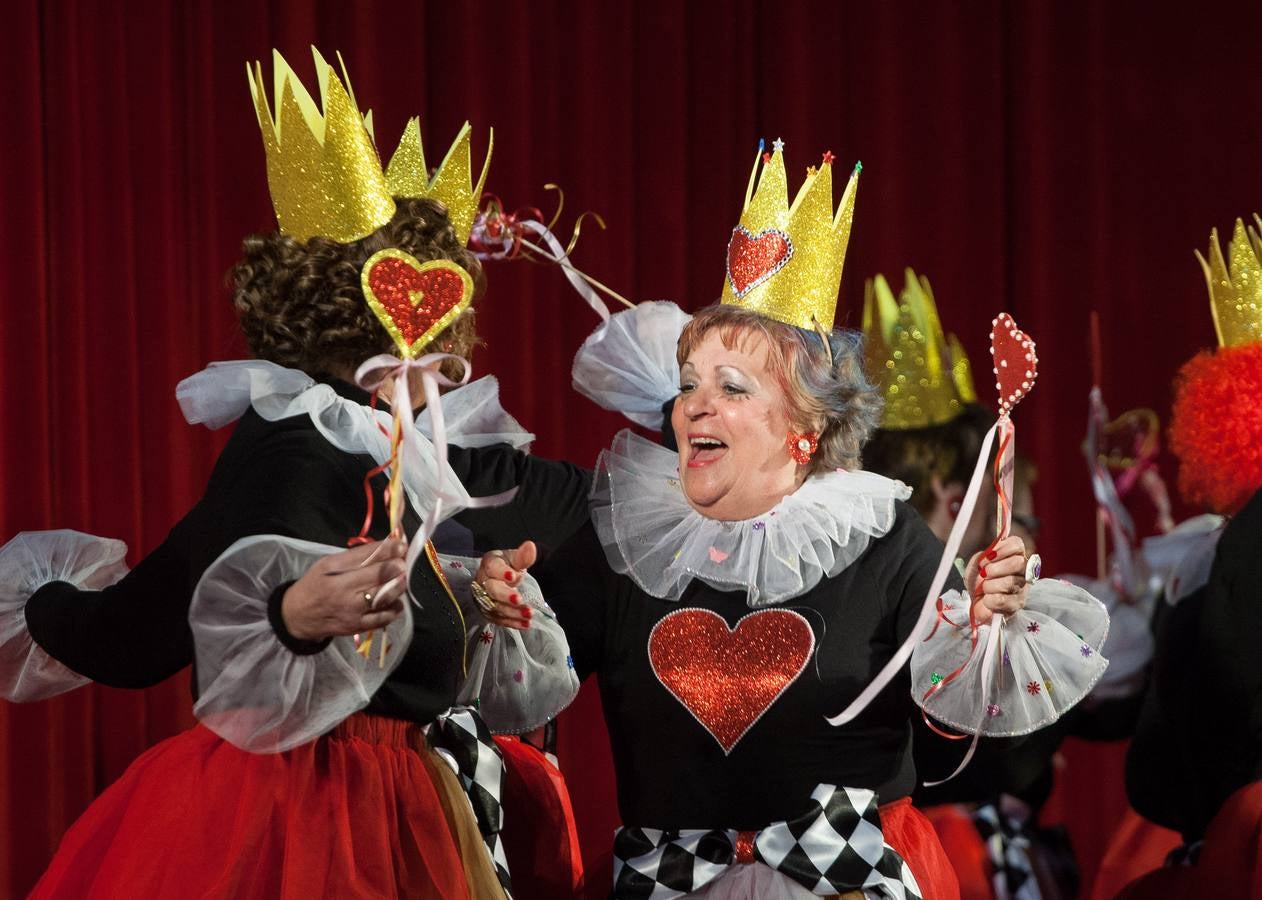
(325, 678)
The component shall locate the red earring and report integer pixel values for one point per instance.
(802, 446)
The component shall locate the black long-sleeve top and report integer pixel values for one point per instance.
(284, 478)
(671, 772)
(1199, 737)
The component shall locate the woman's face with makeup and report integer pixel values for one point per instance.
(731, 423)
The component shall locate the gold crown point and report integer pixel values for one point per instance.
(1235, 284)
(407, 175)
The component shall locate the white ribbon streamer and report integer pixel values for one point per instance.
(929, 608)
(580, 282)
(375, 372)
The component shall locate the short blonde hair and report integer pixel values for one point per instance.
(835, 400)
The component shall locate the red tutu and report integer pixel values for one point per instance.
(366, 811)
(911, 834)
(965, 849)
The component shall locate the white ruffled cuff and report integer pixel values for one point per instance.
(520, 680)
(29, 561)
(628, 364)
(253, 691)
(1048, 658)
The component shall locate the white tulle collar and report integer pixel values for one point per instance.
(223, 391)
(651, 533)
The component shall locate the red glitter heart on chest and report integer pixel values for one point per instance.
(415, 300)
(1016, 364)
(727, 678)
(751, 259)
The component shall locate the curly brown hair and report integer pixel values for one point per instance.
(300, 303)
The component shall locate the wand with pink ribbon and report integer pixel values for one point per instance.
(1016, 368)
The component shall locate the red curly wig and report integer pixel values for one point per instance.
(1216, 427)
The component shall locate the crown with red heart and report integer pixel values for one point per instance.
(414, 300)
(785, 261)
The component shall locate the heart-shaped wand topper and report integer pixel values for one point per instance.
(1016, 364)
(414, 300)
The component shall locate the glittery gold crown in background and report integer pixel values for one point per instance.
(1235, 284)
(323, 170)
(785, 261)
(924, 376)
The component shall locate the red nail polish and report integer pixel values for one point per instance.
(992, 554)
(512, 598)
(508, 576)
(982, 571)
(528, 612)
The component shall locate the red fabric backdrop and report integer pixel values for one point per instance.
(1047, 158)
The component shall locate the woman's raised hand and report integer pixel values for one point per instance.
(350, 592)
(498, 576)
(1001, 574)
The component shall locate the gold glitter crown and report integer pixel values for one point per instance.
(925, 376)
(785, 261)
(1235, 293)
(323, 170)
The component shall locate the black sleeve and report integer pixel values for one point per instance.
(918, 562)
(550, 505)
(579, 586)
(1162, 754)
(135, 633)
(132, 634)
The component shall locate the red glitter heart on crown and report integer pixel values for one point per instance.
(751, 259)
(727, 678)
(1016, 365)
(414, 300)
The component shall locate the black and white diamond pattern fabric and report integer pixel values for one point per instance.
(1008, 847)
(462, 739)
(835, 846)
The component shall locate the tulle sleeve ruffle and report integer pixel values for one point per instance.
(628, 364)
(520, 680)
(1047, 659)
(254, 692)
(29, 561)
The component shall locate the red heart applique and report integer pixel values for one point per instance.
(414, 300)
(1016, 364)
(751, 260)
(727, 678)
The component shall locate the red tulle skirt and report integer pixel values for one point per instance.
(911, 834)
(965, 850)
(365, 812)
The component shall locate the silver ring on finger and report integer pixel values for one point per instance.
(368, 601)
(481, 597)
(1033, 568)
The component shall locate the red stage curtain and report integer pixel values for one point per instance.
(1045, 158)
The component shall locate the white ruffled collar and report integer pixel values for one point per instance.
(651, 533)
(223, 391)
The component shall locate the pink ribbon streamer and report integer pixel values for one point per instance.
(371, 376)
(929, 608)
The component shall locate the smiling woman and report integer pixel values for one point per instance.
(734, 594)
